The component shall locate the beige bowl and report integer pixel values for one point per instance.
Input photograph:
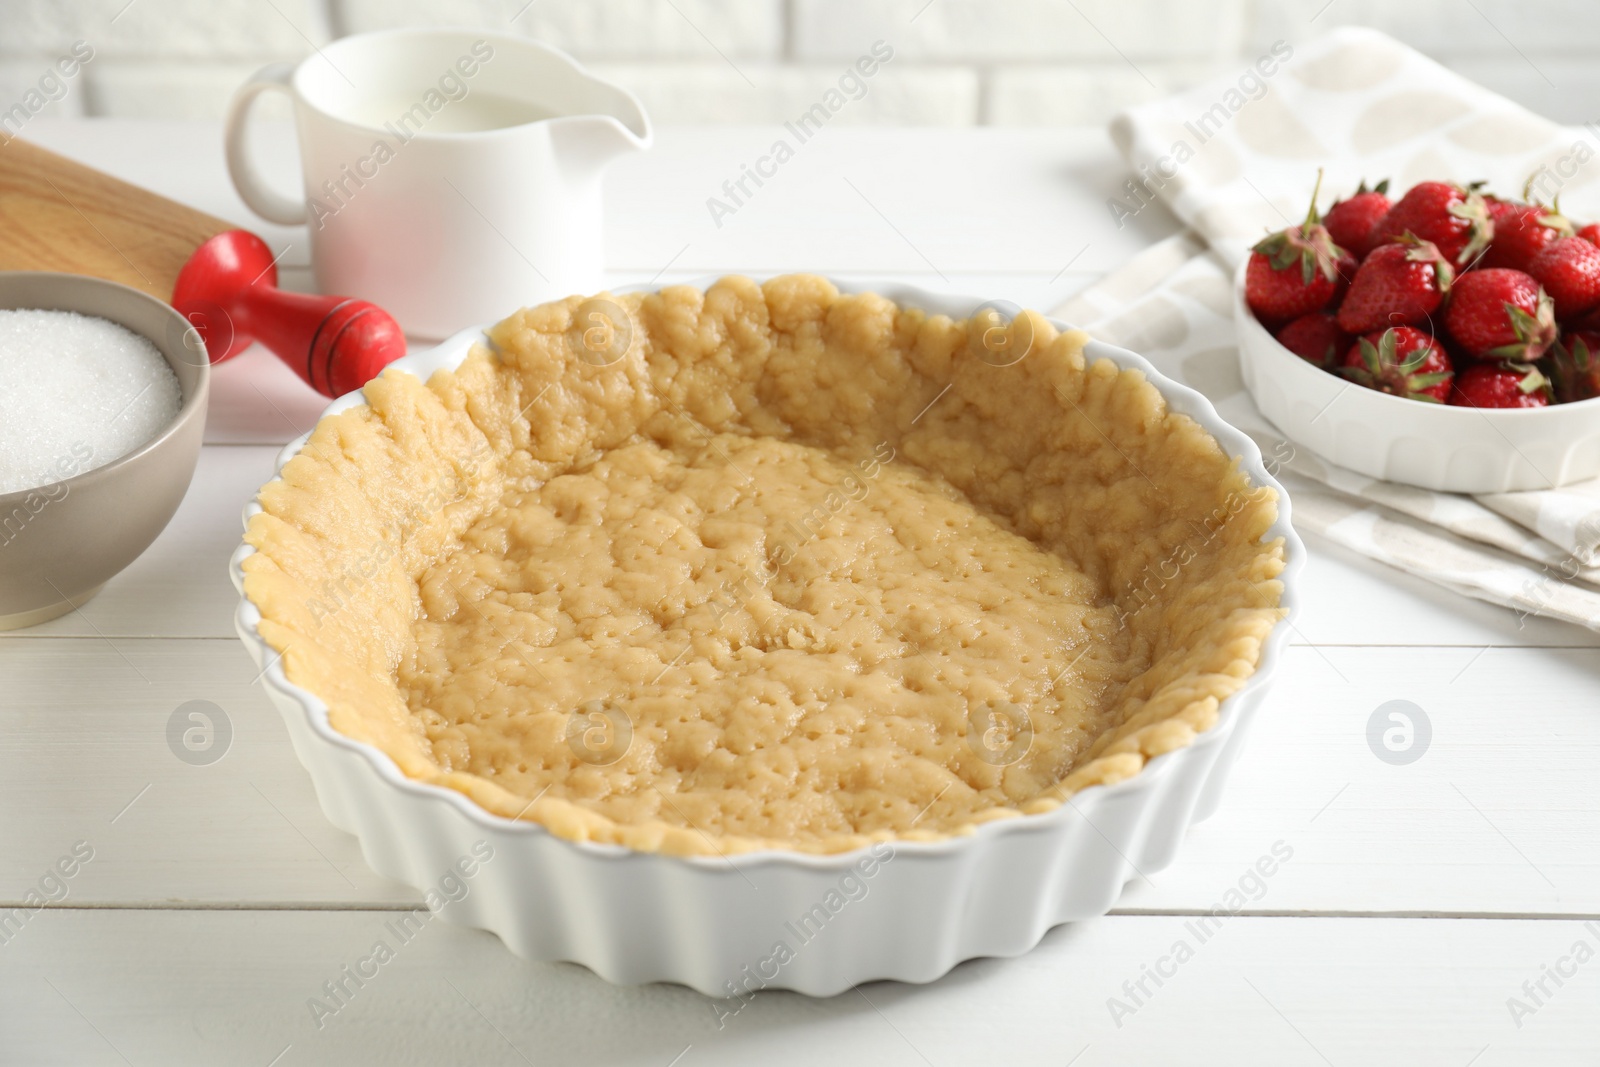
(60, 543)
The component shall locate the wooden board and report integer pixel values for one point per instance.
(59, 215)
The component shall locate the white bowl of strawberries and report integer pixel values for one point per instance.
(1448, 340)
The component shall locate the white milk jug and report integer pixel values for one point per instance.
(449, 176)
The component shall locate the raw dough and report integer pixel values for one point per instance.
(766, 567)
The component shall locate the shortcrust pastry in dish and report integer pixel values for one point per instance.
(766, 566)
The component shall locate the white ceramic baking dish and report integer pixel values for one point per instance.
(1431, 446)
(907, 911)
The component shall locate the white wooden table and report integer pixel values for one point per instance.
(1418, 901)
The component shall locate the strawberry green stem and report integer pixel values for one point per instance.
(1312, 218)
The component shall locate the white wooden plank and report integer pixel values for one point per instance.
(857, 199)
(84, 750)
(1499, 815)
(257, 400)
(107, 987)
(1352, 600)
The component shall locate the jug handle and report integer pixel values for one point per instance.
(253, 190)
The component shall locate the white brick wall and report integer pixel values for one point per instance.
(957, 62)
(170, 30)
(1003, 31)
(22, 76)
(595, 29)
(924, 95)
(1080, 93)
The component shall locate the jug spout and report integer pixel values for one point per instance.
(615, 125)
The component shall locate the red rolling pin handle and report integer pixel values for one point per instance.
(229, 292)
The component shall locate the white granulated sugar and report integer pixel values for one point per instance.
(76, 392)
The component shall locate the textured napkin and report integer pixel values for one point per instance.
(1237, 158)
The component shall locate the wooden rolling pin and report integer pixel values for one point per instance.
(57, 215)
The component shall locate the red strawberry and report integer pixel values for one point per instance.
(1315, 338)
(1591, 233)
(1398, 284)
(1521, 231)
(1575, 366)
(1500, 207)
(1455, 219)
(1295, 271)
(1500, 314)
(1347, 267)
(1500, 385)
(1400, 361)
(1588, 321)
(1569, 270)
(1351, 222)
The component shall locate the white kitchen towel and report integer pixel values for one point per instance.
(1237, 158)
(1173, 304)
